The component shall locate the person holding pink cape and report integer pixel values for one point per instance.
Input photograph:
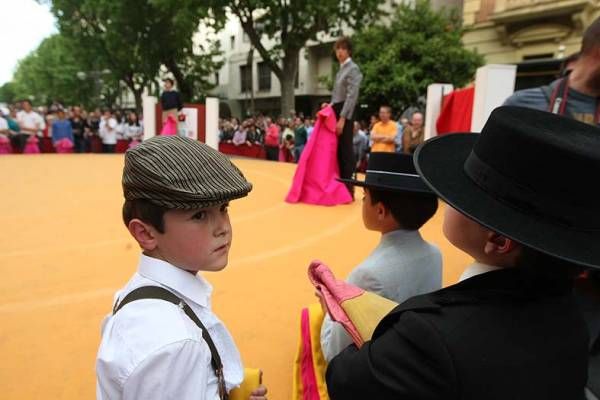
(315, 180)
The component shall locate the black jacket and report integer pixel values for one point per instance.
(500, 335)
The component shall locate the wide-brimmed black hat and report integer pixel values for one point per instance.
(391, 171)
(530, 175)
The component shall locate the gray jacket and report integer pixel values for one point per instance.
(403, 265)
(346, 87)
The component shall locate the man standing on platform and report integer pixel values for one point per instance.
(343, 100)
(170, 100)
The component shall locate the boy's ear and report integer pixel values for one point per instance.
(498, 244)
(382, 211)
(143, 233)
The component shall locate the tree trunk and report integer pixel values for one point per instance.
(137, 95)
(288, 81)
(185, 88)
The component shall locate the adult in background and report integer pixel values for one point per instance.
(61, 131)
(343, 100)
(170, 100)
(577, 94)
(300, 138)
(383, 134)
(414, 134)
(78, 125)
(272, 140)
(30, 124)
(108, 132)
(133, 129)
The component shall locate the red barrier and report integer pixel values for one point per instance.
(122, 146)
(254, 151)
(46, 145)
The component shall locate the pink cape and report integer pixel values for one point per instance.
(170, 126)
(315, 178)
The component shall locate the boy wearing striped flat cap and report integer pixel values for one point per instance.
(162, 340)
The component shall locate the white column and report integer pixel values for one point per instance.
(494, 83)
(149, 106)
(435, 95)
(212, 122)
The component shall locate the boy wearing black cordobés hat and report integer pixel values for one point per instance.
(162, 340)
(396, 203)
(520, 201)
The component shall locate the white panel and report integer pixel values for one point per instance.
(494, 83)
(212, 122)
(435, 94)
(149, 107)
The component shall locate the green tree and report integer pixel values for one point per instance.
(134, 38)
(418, 46)
(7, 93)
(290, 25)
(50, 73)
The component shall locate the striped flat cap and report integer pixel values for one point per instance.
(181, 173)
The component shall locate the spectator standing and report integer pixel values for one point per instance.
(383, 134)
(360, 145)
(577, 94)
(108, 132)
(78, 125)
(272, 140)
(30, 124)
(133, 129)
(300, 138)
(414, 134)
(170, 100)
(61, 128)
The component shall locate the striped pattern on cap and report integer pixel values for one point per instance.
(181, 173)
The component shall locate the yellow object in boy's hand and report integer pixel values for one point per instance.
(251, 387)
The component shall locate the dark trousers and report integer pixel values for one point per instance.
(272, 153)
(108, 148)
(345, 150)
(18, 142)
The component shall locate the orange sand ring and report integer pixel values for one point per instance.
(65, 252)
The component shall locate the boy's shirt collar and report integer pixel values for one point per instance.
(193, 287)
(477, 268)
(399, 235)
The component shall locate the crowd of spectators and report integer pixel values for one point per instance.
(283, 139)
(25, 129)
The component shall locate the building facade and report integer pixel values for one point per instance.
(534, 34)
(243, 90)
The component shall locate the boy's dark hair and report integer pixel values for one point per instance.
(146, 212)
(171, 81)
(343, 43)
(591, 37)
(410, 210)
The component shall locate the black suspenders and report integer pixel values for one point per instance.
(159, 293)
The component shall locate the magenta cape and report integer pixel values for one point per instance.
(315, 178)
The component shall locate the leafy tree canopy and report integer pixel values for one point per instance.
(418, 47)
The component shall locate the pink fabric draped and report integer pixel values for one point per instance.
(31, 147)
(315, 178)
(64, 146)
(5, 147)
(170, 126)
(334, 292)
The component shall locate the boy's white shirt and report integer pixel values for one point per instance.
(152, 350)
